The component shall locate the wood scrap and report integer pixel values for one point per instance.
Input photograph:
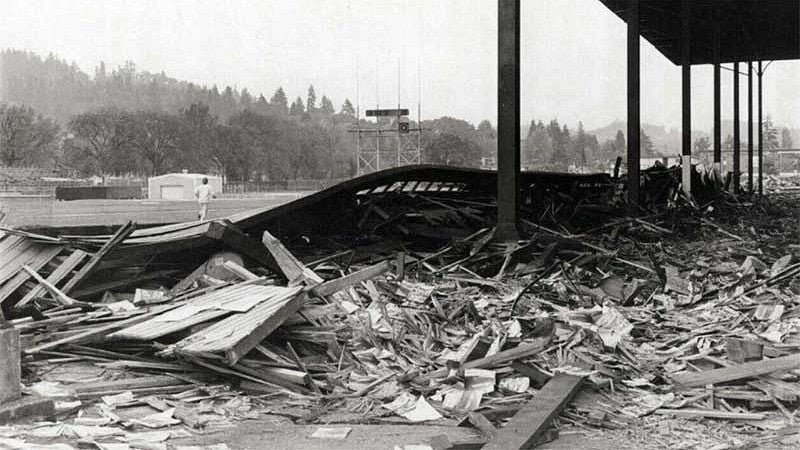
(535, 417)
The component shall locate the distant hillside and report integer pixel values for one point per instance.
(665, 141)
(60, 90)
(668, 141)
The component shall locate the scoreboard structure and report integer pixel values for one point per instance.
(391, 141)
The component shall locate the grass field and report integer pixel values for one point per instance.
(41, 211)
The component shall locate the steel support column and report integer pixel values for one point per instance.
(737, 143)
(508, 120)
(686, 88)
(634, 125)
(717, 101)
(760, 130)
(750, 126)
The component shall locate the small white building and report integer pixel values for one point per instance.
(179, 186)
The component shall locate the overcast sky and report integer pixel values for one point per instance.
(573, 53)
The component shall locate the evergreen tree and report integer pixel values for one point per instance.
(297, 108)
(311, 103)
(245, 99)
(786, 138)
(646, 147)
(279, 101)
(347, 108)
(326, 106)
(620, 146)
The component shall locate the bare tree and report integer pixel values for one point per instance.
(25, 138)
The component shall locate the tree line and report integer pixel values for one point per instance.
(125, 120)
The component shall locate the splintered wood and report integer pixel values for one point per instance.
(395, 303)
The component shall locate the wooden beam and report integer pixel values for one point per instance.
(121, 234)
(335, 285)
(99, 331)
(239, 271)
(10, 369)
(64, 269)
(747, 370)
(264, 329)
(710, 414)
(188, 280)
(289, 265)
(480, 422)
(533, 420)
(57, 294)
(518, 352)
(22, 276)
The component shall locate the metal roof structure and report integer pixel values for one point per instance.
(749, 30)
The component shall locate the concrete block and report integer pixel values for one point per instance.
(26, 407)
(10, 370)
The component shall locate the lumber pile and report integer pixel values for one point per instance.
(409, 311)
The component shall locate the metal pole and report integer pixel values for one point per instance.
(737, 144)
(634, 125)
(717, 101)
(508, 120)
(760, 130)
(750, 126)
(686, 88)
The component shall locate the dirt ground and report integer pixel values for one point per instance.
(39, 211)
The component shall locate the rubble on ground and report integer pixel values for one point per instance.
(408, 311)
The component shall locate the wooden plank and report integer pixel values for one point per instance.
(335, 285)
(44, 256)
(725, 374)
(265, 329)
(8, 242)
(13, 260)
(250, 328)
(288, 265)
(480, 422)
(293, 269)
(533, 420)
(186, 282)
(54, 291)
(64, 269)
(709, 413)
(128, 384)
(121, 234)
(518, 352)
(240, 271)
(99, 331)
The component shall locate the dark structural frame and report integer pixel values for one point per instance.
(686, 32)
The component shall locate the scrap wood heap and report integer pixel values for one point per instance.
(500, 337)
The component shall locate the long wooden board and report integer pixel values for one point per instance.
(64, 269)
(741, 371)
(532, 421)
(329, 287)
(122, 233)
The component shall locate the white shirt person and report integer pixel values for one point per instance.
(204, 194)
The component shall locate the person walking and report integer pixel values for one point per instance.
(204, 194)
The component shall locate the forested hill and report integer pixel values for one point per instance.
(57, 89)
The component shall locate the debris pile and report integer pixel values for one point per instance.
(782, 184)
(408, 310)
